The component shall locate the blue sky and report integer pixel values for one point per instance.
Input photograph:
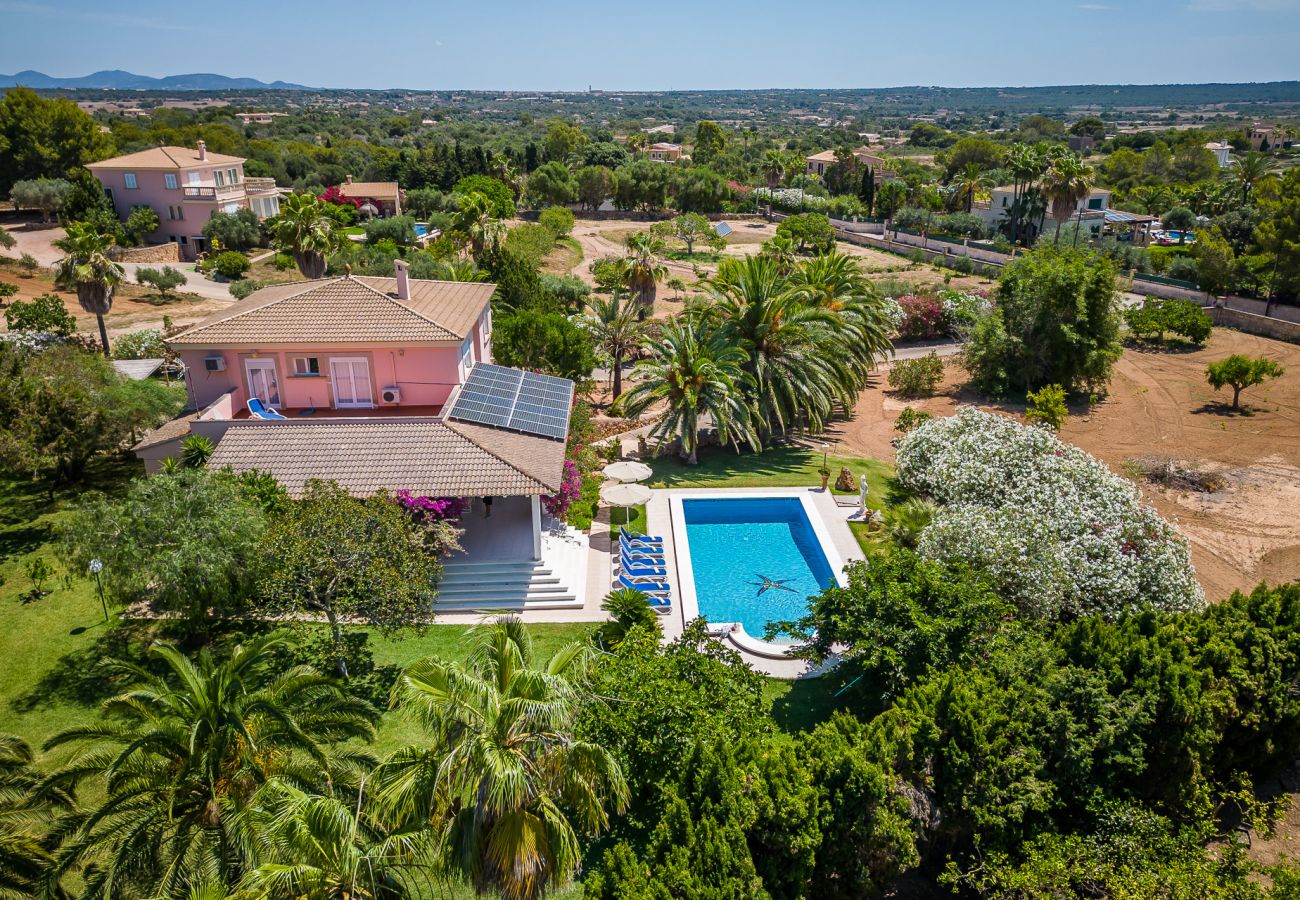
(663, 44)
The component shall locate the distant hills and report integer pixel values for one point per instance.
(116, 79)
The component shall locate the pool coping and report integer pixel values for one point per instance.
(689, 602)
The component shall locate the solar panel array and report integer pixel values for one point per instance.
(517, 400)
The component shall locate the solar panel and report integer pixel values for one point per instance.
(723, 229)
(517, 400)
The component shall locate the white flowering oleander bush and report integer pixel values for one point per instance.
(891, 311)
(961, 310)
(793, 200)
(1061, 534)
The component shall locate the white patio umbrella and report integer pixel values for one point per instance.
(627, 471)
(617, 493)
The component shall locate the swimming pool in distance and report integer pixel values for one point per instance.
(751, 560)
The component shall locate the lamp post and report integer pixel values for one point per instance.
(95, 568)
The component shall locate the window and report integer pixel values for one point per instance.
(1094, 203)
(218, 178)
(176, 213)
(129, 179)
(233, 175)
(306, 365)
(170, 181)
(193, 178)
(184, 240)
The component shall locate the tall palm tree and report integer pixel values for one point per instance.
(178, 758)
(87, 269)
(1067, 182)
(502, 784)
(322, 848)
(25, 818)
(616, 327)
(474, 224)
(303, 229)
(1026, 164)
(796, 360)
(836, 283)
(1253, 168)
(969, 181)
(636, 141)
(695, 370)
(644, 267)
(773, 167)
(1154, 199)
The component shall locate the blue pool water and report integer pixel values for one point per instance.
(738, 545)
(421, 229)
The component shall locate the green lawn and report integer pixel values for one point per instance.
(634, 517)
(720, 467)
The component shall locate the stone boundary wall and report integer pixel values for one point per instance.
(154, 253)
(1253, 324)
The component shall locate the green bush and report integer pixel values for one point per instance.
(910, 418)
(7, 290)
(230, 264)
(245, 286)
(162, 280)
(1153, 319)
(558, 220)
(234, 231)
(399, 230)
(917, 377)
(46, 314)
(145, 344)
(531, 242)
(1047, 407)
(809, 231)
(282, 262)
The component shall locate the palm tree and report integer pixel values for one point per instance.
(695, 371)
(87, 269)
(461, 270)
(502, 784)
(969, 181)
(178, 758)
(782, 250)
(303, 229)
(1026, 164)
(797, 363)
(25, 815)
(616, 327)
(323, 848)
(1253, 167)
(773, 167)
(1067, 183)
(836, 283)
(475, 225)
(644, 267)
(637, 141)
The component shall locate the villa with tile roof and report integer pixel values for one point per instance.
(185, 187)
(384, 196)
(388, 384)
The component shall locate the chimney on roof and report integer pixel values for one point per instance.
(349, 179)
(403, 280)
(203, 149)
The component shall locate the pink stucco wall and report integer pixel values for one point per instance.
(179, 217)
(425, 374)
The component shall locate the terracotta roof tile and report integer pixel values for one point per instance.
(380, 190)
(354, 310)
(165, 158)
(425, 456)
(168, 431)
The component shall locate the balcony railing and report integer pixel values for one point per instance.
(212, 192)
(259, 185)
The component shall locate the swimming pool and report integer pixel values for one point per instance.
(751, 560)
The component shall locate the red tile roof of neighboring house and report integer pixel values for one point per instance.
(379, 190)
(165, 158)
(348, 309)
(429, 457)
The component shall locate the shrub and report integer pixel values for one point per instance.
(962, 310)
(1184, 268)
(1238, 372)
(230, 264)
(570, 290)
(916, 377)
(144, 344)
(1155, 317)
(910, 418)
(809, 231)
(923, 318)
(1047, 407)
(400, 230)
(530, 242)
(28, 264)
(1059, 533)
(557, 220)
(233, 231)
(140, 222)
(245, 286)
(162, 280)
(45, 315)
(7, 290)
(282, 262)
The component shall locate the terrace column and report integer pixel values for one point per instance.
(535, 502)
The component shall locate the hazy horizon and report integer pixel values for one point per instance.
(396, 44)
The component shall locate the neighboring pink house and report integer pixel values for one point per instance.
(665, 152)
(185, 188)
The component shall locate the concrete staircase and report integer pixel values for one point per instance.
(557, 581)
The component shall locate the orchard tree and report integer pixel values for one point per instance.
(596, 184)
(348, 559)
(689, 228)
(1239, 372)
(551, 185)
(49, 195)
(163, 280)
(809, 231)
(45, 138)
(44, 315)
(1179, 219)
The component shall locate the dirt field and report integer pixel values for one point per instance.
(1159, 405)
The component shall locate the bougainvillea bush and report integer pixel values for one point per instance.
(1061, 535)
(923, 318)
(558, 504)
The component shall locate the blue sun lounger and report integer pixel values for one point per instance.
(258, 411)
(638, 540)
(646, 569)
(660, 600)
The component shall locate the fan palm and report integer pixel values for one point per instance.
(1253, 168)
(1026, 164)
(796, 361)
(323, 848)
(502, 784)
(87, 269)
(643, 267)
(969, 181)
(25, 812)
(1067, 182)
(694, 369)
(773, 168)
(303, 229)
(179, 757)
(616, 327)
(474, 224)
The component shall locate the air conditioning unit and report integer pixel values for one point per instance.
(392, 394)
(214, 363)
